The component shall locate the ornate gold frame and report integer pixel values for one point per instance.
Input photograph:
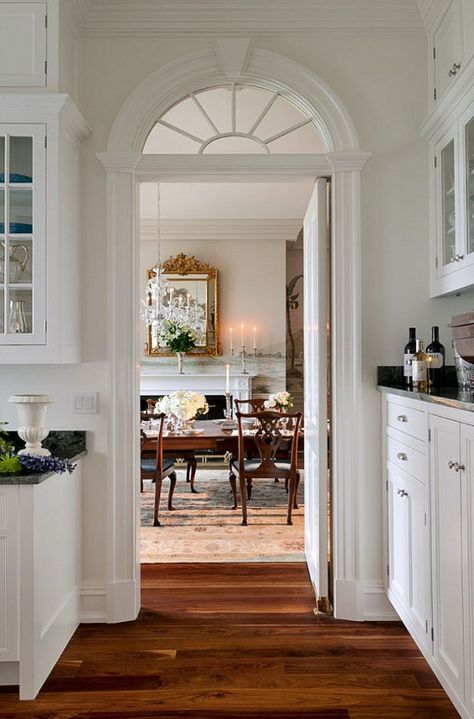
(180, 266)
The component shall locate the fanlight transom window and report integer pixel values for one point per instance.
(233, 118)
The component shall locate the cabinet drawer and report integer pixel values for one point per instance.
(407, 459)
(407, 420)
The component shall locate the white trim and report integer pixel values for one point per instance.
(377, 607)
(166, 86)
(223, 230)
(145, 18)
(124, 169)
(93, 604)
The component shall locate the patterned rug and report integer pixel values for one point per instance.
(204, 528)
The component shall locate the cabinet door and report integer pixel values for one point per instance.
(447, 216)
(398, 540)
(409, 555)
(448, 44)
(22, 44)
(447, 554)
(22, 234)
(467, 461)
(466, 188)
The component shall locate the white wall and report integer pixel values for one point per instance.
(382, 81)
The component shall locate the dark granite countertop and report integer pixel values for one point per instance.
(390, 379)
(65, 444)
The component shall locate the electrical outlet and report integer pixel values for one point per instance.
(84, 403)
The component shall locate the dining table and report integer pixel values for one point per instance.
(205, 435)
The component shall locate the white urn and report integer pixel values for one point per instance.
(32, 414)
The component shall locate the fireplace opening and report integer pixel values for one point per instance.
(216, 404)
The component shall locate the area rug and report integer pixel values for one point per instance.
(204, 528)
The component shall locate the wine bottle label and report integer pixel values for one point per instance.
(407, 366)
(419, 371)
(436, 360)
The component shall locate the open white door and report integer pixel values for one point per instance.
(316, 315)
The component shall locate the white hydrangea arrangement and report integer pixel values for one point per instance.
(279, 400)
(183, 404)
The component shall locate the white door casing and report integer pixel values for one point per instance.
(126, 167)
(316, 314)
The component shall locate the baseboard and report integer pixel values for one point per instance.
(123, 602)
(9, 674)
(93, 607)
(348, 600)
(377, 607)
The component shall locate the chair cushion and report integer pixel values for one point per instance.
(149, 465)
(250, 464)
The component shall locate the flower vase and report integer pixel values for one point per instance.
(180, 357)
(32, 413)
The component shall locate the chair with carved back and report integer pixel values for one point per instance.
(255, 404)
(191, 462)
(270, 439)
(158, 469)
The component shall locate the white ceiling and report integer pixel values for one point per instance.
(214, 201)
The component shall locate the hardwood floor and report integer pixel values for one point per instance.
(235, 641)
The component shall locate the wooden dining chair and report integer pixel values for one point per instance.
(255, 404)
(158, 469)
(270, 439)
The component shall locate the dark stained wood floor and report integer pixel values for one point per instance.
(235, 641)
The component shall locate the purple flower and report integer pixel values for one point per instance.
(34, 463)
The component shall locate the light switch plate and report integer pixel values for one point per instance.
(84, 403)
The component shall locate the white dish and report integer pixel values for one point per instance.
(192, 432)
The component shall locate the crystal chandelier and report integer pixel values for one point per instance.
(165, 304)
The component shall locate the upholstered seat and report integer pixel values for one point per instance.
(148, 466)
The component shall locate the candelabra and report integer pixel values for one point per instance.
(243, 355)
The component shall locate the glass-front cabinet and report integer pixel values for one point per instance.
(22, 234)
(453, 250)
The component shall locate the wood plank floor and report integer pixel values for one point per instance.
(235, 641)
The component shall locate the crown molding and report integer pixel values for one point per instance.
(431, 12)
(220, 230)
(100, 18)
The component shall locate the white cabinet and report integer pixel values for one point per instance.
(448, 53)
(452, 203)
(447, 550)
(430, 536)
(408, 526)
(39, 229)
(23, 44)
(22, 234)
(40, 570)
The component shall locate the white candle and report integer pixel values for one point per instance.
(230, 339)
(189, 299)
(227, 379)
(255, 338)
(242, 334)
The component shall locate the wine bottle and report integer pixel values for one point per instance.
(436, 353)
(408, 352)
(420, 368)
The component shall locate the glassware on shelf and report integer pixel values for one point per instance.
(449, 203)
(17, 320)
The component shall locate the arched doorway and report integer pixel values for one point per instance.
(125, 164)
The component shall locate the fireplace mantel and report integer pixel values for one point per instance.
(155, 381)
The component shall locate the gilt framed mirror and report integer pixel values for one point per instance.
(192, 293)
